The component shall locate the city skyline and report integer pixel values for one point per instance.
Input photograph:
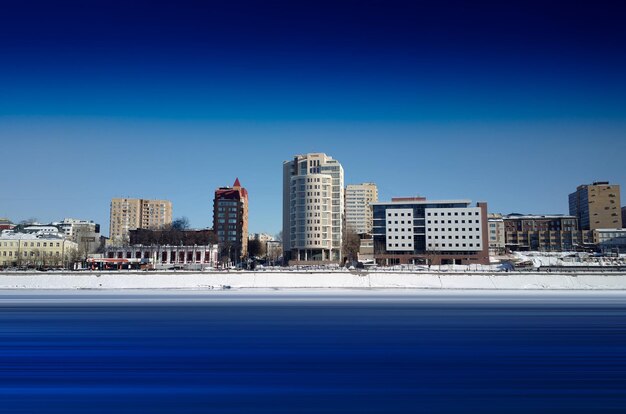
(514, 104)
(378, 139)
(197, 206)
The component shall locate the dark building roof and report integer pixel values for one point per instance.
(236, 192)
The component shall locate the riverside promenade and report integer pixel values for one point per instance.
(528, 280)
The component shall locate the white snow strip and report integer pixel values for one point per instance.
(315, 280)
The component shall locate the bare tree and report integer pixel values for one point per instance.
(181, 224)
(256, 248)
(227, 249)
(172, 236)
(55, 260)
(28, 221)
(19, 259)
(351, 244)
(85, 241)
(274, 250)
(73, 257)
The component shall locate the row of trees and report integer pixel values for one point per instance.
(178, 233)
(41, 259)
(351, 243)
(175, 234)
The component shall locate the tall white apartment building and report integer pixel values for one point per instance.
(359, 216)
(313, 208)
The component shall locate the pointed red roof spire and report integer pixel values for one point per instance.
(237, 183)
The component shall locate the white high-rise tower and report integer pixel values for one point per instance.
(313, 208)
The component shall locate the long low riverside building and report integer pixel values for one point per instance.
(167, 255)
(545, 233)
(30, 250)
(610, 240)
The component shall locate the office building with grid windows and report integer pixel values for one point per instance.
(420, 231)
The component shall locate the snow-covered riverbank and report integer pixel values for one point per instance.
(314, 279)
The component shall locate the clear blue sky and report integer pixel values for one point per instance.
(514, 104)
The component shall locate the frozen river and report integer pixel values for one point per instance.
(312, 352)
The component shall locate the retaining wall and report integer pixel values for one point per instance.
(301, 279)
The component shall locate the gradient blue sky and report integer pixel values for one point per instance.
(513, 103)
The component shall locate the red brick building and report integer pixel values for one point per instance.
(230, 220)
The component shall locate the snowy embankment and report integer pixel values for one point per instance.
(314, 279)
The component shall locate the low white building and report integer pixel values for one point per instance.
(168, 256)
(262, 237)
(610, 240)
(71, 227)
(42, 230)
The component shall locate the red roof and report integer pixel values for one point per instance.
(235, 193)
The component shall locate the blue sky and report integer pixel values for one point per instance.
(514, 104)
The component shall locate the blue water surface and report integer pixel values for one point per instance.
(284, 352)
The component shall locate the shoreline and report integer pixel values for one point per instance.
(295, 297)
(307, 280)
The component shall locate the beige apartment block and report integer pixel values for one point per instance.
(597, 206)
(133, 213)
(497, 239)
(359, 199)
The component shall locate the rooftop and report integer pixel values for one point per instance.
(537, 216)
(419, 201)
(18, 236)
